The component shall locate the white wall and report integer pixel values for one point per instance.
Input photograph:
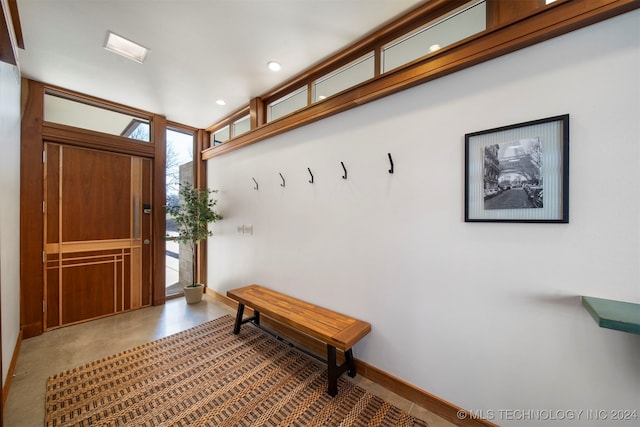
(9, 209)
(486, 316)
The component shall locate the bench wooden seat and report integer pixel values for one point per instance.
(334, 329)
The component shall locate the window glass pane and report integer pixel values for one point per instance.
(458, 25)
(288, 104)
(72, 113)
(242, 126)
(346, 77)
(220, 136)
(179, 170)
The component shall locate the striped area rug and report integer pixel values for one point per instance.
(206, 376)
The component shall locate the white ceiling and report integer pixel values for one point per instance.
(201, 50)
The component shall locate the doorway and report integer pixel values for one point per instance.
(97, 234)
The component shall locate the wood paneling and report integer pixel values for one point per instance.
(94, 259)
(159, 136)
(500, 12)
(31, 197)
(258, 116)
(88, 291)
(133, 295)
(52, 291)
(96, 197)
(52, 194)
(69, 135)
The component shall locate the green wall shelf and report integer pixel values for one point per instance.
(618, 315)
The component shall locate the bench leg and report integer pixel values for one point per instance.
(236, 327)
(334, 371)
(240, 321)
(351, 366)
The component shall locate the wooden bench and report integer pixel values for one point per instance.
(334, 329)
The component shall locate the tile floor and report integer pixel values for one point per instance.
(72, 346)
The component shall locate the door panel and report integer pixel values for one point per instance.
(97, 236)
(80, 283)
(95, 194)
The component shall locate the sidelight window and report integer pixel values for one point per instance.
(179, 170)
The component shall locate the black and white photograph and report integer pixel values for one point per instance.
(512, 175)
(518, 173)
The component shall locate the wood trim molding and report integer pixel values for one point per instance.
(7, 53)
(159, 135)
(200, 179)
(31, 197)
(549, 22)
(93, 245)
(446, 410)
(15, 20)
(236, 115)
(12, 369)
(69, 135)
(438, 406)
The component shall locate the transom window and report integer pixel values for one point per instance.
(61, 110)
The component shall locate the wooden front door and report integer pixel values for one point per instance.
(97, 234)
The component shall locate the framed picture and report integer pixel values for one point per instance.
(518, 173)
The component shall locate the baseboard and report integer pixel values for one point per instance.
(438, 406)
(12, 369)
(446, 410)
(31, 330)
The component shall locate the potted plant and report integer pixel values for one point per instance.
(193, 214)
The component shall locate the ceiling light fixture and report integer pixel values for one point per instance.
(124, 47)
(221, 102)
(434, 47)
(274, 66)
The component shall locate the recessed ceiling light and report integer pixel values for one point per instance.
(321, 97)
(274, 66)
(434, 47)
(221, 102)
(130, 50)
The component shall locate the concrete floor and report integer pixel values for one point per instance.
(72, 346)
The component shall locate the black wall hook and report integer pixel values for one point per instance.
(311, 180)
(390, 161)
(282, 185)
(254, 180)
(345, 171)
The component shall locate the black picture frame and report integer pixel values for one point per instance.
(518, 173)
